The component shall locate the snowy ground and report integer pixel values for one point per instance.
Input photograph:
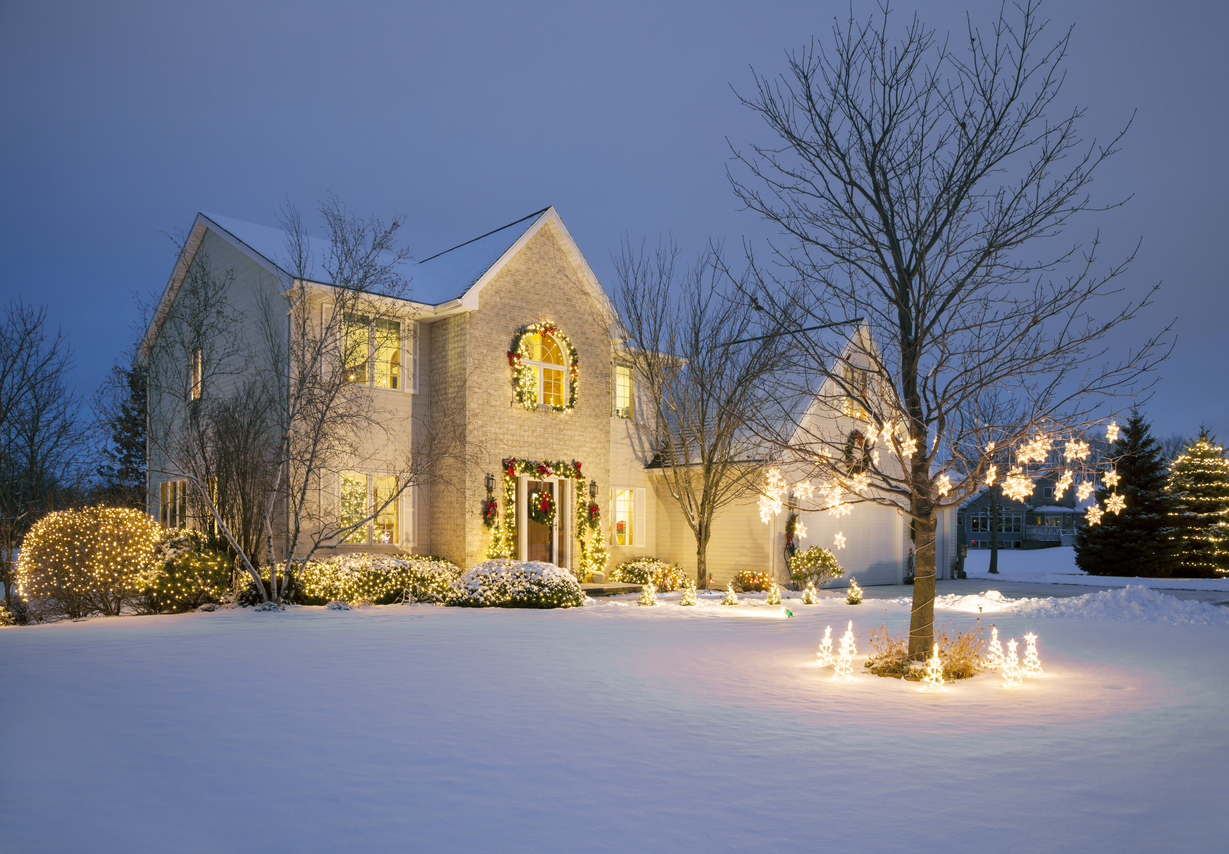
(1057, 566)
(612, 728)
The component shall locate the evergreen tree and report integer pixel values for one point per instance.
(1136, 540)
(1199, 490)
(121, 408)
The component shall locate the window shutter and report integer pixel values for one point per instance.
(638, 538)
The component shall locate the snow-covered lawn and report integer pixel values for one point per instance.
(1057, 566)
(611, 728)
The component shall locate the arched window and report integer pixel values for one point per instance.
(544, 368)
(545, 356)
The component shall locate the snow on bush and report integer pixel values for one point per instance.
(506, 583)
(1132, 602)
(815, 565)
(382, 579)
(666, 577)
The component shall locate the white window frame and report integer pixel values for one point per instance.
(399, 504)
(539, 367)
(623, 411)
(407, 378)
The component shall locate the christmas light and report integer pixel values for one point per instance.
(770, 500)
(800, 530)
(839, 542)
(1032, 664)
(859, 483)
(1011, 667)
(844, 658)
(1115, 503)
(1199, 488)
(823, 656)
(730, 597)
(810, 596)
(774, 594)
(854, 595)
(688, 596)
(991, 474)
(1111, 432)
(804, 490)
(943, 485)
(648, 595)
(1064, 482)
(908, 447)
(1093, 515)
(1035, 450)
(934, 671)
(1083, 490)
(994, 651)
(1075, 450)
(1110, 478)
(1017, 486)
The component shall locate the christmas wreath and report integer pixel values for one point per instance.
(857, 455)
(595, 516)
(490, 512)
(541, 507)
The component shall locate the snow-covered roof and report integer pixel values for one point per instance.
(445, 276)
(1051, 508)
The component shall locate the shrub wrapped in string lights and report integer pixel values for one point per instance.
(648, 595)
(189, 572)
(854, 596)
(376, 578)
(730, 597)
(810, 596)
(815, 566)
(75, 563)
(688, 596)
(774, 594)
(666, 577)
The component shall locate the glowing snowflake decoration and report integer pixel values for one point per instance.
(871, 435)
(875, 458)
(774, 491)
(800, 530)
(1063, 484)
(1111, 478)
(804, 490)
(1093, 515)
(839, 542)
(1075, 449)
(839, 509)
(989, 447)
(1035, 450)
(1111, 432)
(943, 485)
(859, 483)
(1083, 490)
(908, 447)
(991, 474)
(1017, 485)
(1115, 503)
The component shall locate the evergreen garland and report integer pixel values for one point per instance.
(525, 377)
(1199, 489)
(1135, 541)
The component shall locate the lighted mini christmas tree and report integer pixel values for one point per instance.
(844, 658)
(994, 652)
(688, 595)
(774, 594)
(824, 655)
(1011, 667)
(934, 670)
(648, 595)
(730, 597)
(810, 596)
(1199, 489)
(1032, 664)
(854, 596)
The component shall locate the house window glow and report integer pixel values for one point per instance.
(372, 351)
(623, 391)
(195, 371)
(624, 504)
(856, 387)
(546, 357)
(173, 503)
(361, 496)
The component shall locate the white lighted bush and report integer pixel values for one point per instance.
(79, 562)
(666, 577)
(506, 583)
(382, 579)
(188, 573)
(815, 565)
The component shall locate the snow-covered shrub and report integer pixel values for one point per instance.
(338, 606)
(815, 565)
(79, 562)
(381, 579)
(189, 572)
(507, 583)
(648, 595)
(666, 577)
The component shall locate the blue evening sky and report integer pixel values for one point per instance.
(120, 120)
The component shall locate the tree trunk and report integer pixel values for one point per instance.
(996, 516)
(701, 564)
(922, 619)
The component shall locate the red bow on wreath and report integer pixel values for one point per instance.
(512, 354)
(511, 464)
(543, 469)
(576, 466)
(544, 504)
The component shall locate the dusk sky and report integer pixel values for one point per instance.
(121, 120)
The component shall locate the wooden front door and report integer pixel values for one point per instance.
(541, 541)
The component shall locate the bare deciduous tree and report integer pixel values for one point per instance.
(697, 385)
(921, 187)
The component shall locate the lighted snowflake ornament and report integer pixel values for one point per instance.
(860, 482)
(800, 530)
(1111, 478)
(1111, 432)
(1063, 484)
(943, 485)
(1083, 490)
(1115, 503)
(933, 680)
(991, 474)
(839, 542)
(823, 655)
(1032, 664)
(844, 657)
(1093, 515)
(1075, 450)
(1017, 485)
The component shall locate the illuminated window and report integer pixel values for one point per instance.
(623, 391)
(173, 503)
(546, 357)
(195, 370)
(624, 505)
(856, 386)
(364, 495)
(372, 351)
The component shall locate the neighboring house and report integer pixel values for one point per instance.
(569, 399)
(1038, 521)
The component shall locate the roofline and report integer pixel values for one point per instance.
(488, 234)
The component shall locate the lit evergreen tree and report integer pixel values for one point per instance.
(1199, 489)
(1136, 540)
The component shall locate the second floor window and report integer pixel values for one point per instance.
(545, 356)
(856, 387)
(372, 351)
(195, 372)
(623, 391)
(365, 494)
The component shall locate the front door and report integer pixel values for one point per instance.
(541, 540)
